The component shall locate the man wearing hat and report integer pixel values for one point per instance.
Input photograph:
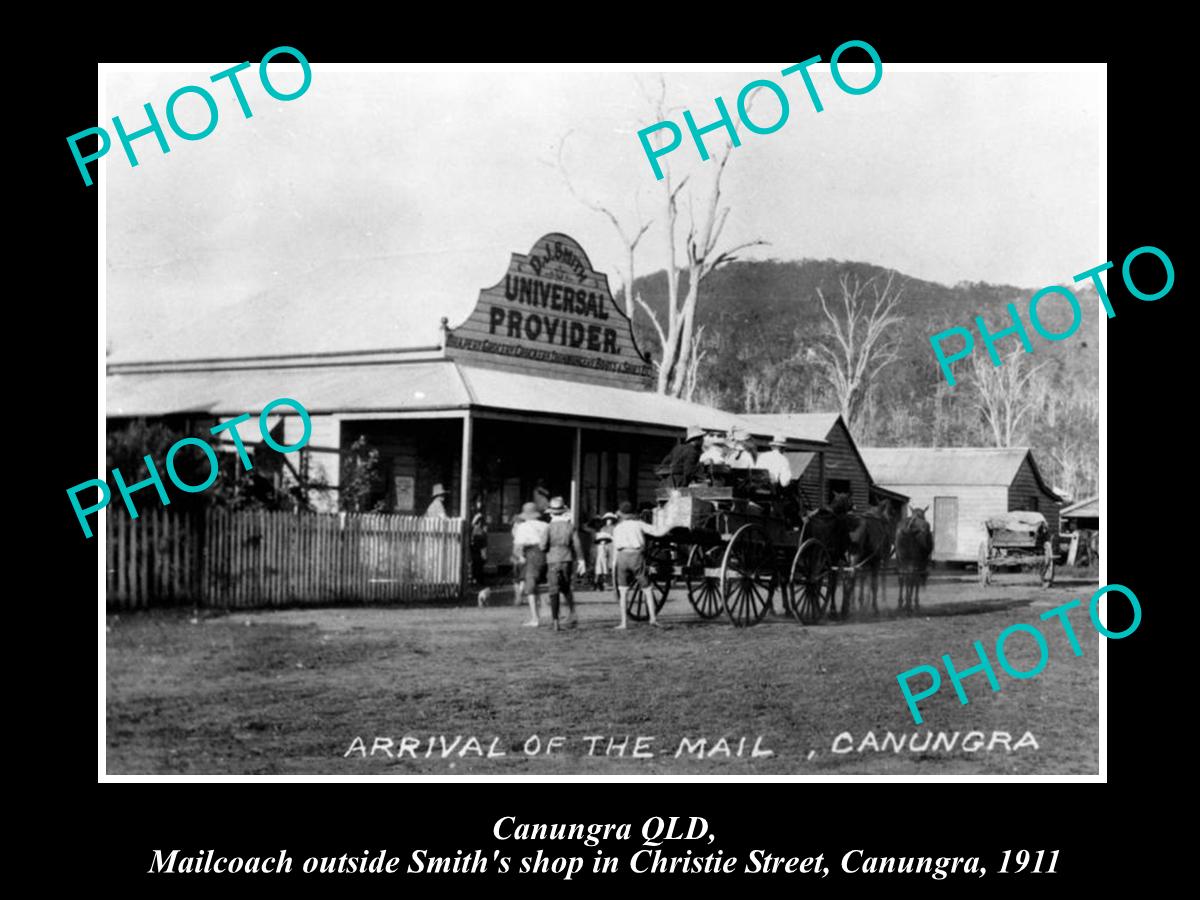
(437, 508)
(531, 537)
(683, 462)
(563, 554)
(714, 450)
(740, 454)
(776, 463)
(629, 542)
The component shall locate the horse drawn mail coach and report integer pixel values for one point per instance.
(735, 540)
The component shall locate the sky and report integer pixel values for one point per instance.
(360, 213)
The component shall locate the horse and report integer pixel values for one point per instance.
(914, 545)
(870, 546)
(830, 525)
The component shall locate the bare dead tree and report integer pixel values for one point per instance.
(1003, 394)
(858, 341)
(693, 369)
(698, 245)
(630, 236)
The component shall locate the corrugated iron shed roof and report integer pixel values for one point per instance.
(945, 465)
(1088, 508)
(809, 426)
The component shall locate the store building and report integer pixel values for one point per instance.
(543, 381)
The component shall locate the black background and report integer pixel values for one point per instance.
(1111, 834)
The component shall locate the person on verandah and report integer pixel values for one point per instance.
(437, 506)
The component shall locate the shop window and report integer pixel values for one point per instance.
(608, 479)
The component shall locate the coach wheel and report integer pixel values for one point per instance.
(748, 576)
(704, 589)
(660, 563)
(985, 573)
(810, 582)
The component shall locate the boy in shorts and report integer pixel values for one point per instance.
(531, 537)
(629, 545)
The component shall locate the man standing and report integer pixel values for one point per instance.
(564, 549)
(684, 459)
(531, 537)
(629, 541)
(437, 506)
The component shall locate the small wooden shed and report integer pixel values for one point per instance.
(962, 487)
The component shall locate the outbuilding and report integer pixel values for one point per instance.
(962, 487)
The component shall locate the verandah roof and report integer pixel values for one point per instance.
(351, 387)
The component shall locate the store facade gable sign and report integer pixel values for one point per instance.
(552, 309)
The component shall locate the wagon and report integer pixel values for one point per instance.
(1017, 540)
(733, 546)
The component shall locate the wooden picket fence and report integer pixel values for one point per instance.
(223, 559)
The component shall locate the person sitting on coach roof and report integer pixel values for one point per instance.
(683, 462)
(740, 455)
(714, 451)
(776, 463)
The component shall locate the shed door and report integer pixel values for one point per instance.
(945, 527)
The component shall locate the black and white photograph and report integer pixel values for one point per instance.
(608, 421)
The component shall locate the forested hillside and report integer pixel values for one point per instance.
(762, 320)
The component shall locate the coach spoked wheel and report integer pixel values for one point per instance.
(810, 583)
(656, 582)
(748, 576)
(704, 589)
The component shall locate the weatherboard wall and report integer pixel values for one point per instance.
(1026, 493)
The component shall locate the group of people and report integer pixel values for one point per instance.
(735, 449)
(547, 550)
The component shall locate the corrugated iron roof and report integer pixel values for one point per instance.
(429, 384)
(371, 384)
(945, 465)
(504, 389)
(803, 426)
(1088, 508)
